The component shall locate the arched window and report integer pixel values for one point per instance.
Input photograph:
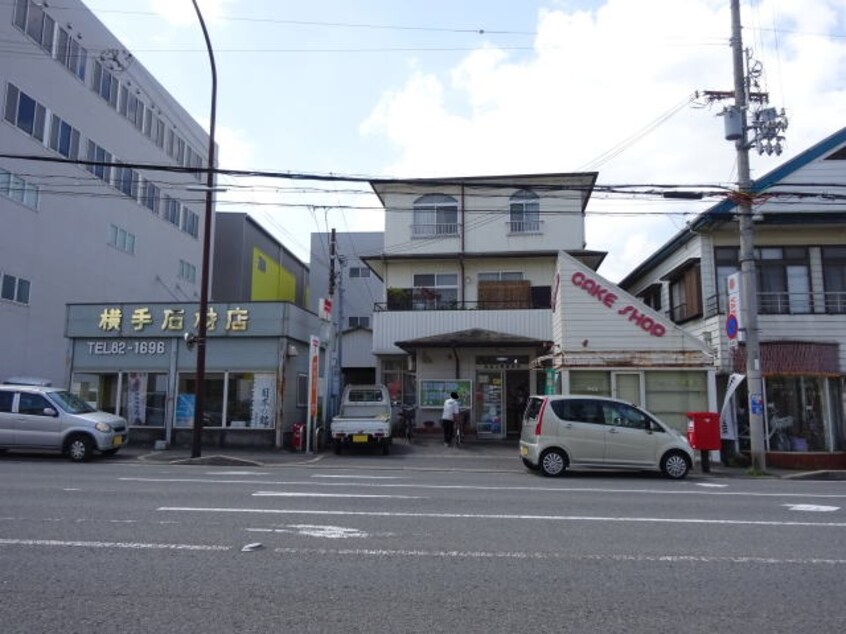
(525, 212)
(435, 215)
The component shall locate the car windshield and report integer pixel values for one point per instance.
(71, 403)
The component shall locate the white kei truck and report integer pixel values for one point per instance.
(364, 419)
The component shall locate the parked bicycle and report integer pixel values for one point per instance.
(406, 417)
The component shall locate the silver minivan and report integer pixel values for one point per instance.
(590, 431)
(51, 419)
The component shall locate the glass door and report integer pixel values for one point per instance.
(488, 405)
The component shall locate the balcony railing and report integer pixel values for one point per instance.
(405, 299)
(434, 230)
(524, 226)
(779, 303)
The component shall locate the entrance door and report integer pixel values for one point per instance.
(627, 386)
(488, 405)
(517, 391)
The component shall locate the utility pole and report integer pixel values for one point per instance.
(748, 274)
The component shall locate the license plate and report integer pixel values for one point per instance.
(117, 441)
(360, 438)
(524, 451)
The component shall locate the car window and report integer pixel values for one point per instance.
(71, 403)
(623, 415)
(533, 409)
(33, 404)
(6, 399)
(583, 410)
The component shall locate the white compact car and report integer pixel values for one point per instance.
(51, 419)
(574, 430)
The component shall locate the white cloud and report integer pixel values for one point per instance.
(617, 78)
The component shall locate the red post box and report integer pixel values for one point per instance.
(297, 436)
(703, 433)
(703, 430)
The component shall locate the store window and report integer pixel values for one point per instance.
(251, 400)
(212, 406)
(594, 382)
(671, 394)
(143, 398)
(795, 413)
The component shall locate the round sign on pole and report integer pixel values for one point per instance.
(731, 326)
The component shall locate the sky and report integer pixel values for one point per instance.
(438, 88)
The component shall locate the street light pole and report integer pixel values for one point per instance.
(202, 325)
(748, 274)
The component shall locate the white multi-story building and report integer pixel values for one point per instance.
(468, 265)
(800, 252)
(110, 230)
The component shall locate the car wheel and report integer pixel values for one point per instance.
(553, 463)
(675, 465)
(79, 448)
(530, 465)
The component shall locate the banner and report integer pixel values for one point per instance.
(136, 398)
(728, 420)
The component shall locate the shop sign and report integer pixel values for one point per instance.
(609, 299)
(734, 323)
(120, 347)
(172, 320)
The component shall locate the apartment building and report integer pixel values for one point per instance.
(800, 257)
(86, 213)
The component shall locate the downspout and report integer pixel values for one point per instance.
(461, 248)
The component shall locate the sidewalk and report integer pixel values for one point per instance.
(420, 454)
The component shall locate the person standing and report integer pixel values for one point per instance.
(449, 417)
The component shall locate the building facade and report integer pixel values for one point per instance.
(800, 258)
(250, 265)
(100, 209)
(467, 266)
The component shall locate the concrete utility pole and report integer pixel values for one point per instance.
(749, 307)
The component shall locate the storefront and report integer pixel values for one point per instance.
(607, 342)
(133, 360)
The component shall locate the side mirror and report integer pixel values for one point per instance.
(49, 411)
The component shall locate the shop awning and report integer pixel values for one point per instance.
(473, 338)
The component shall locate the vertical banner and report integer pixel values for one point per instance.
(264, 401)
(734, 321)
(136, 398)
(728, 419)
(313, 382)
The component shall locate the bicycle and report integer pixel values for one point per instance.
(459, 433)
(407, 420)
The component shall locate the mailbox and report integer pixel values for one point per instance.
(703, 430)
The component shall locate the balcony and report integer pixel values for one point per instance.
(403, 299)
(524, 226)
(784, 303)
(436, 230)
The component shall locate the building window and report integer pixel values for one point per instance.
(359, 271)
(726, 261)
(191, 223)
(22, 191)
(685, 292)
(32, 20)
(302, 390)
(501, 276)
(435, 291)
(99, 155)
(834, 279)
(121, 239)
(64, 138)
(187, 272)
(359, 322)
(105, 84)
(26, 113)
(784, 285)
(70, 54)
(126, 181)
(435, 215)
(652, 297)
(14, 289)
(150, 196)
(171, 209)
(525, 212)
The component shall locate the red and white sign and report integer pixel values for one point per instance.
(325, 308)
(734, 323)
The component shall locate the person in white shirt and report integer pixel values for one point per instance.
(449, 417)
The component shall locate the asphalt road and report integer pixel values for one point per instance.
(118, 546)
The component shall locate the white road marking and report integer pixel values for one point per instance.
(71, 489)
(361, 477)
(459, 487)
(286, 494)
(237, 473)
(498, 516)
(813, 508)
(706, 485)
(91, 544)
(459, 554)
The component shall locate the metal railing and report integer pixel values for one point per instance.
(524, 226)
(433, 230)
(782, 303)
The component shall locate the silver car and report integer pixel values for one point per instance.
(573, 430)
(51, 419)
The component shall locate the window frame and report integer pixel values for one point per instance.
(435, 216)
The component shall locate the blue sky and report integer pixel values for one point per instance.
(419, 88)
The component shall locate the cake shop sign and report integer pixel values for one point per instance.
(609, 299)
